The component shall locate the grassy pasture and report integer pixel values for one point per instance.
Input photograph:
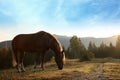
(97, 69)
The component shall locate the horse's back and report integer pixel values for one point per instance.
(29, 37)
(32, 42)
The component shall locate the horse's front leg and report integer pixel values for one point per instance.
(36, 61)
(18, 68)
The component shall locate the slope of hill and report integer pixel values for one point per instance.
(65, 41)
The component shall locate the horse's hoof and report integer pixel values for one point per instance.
(35, 70)
(43, 69)
(19, 71)
(23, 71)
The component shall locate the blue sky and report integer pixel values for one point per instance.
(84, 18)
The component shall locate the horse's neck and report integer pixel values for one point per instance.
(55, 47)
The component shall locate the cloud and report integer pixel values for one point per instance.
(60, 16)
(47, 12)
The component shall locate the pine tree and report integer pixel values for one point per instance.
(118, 47)
(111, 50)
(77, 49)
(74, 47)
(92, 47)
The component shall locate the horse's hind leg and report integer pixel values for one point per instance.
(21, 61)
(18, 61)
(16, 58)
(42, 61)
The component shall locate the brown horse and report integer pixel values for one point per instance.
(40, 43)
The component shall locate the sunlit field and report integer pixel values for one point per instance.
(97, 69)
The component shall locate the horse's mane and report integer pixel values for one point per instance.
(54, 37)
(58, 43)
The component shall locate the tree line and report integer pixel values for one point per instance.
(76, 50)
(105, 50)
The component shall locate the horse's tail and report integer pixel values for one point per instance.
(14, 56)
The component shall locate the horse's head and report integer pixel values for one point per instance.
(60, 59)
(59, 52)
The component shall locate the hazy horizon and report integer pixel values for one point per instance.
(84, 18)
(114, 36)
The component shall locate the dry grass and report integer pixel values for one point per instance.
(112, 69)
(73, 70)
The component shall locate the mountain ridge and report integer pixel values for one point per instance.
(65, 41)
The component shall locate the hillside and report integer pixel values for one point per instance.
(65, 41)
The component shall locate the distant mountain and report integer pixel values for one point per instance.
(65, 41)
(98, 41)
(5, 44)
(85, 40)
